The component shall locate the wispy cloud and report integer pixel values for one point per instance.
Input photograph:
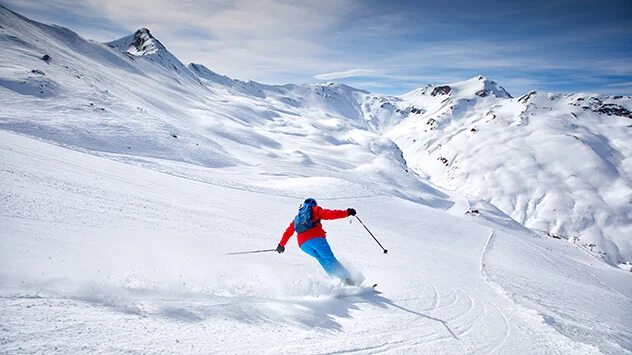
(405, 44)
(625, 84)
(344, 74)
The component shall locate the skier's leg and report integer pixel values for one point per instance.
(328, 261)
(310, 248)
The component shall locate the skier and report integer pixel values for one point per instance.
(311, 237)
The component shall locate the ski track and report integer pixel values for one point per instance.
(482, 262)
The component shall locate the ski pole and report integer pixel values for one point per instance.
(251, 252)
(367, 229)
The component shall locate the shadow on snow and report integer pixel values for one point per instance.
(323, 312)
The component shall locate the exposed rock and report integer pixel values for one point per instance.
(441, 90)
(482, 93)
(525, 98)
(614, 110)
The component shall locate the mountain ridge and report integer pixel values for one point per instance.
(455, 134)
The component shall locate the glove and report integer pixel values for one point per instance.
(351, 211)
(280, 249)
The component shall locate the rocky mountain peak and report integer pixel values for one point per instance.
(139, 44)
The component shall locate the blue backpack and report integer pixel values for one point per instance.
(304, 219)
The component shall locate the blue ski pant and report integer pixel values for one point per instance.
(319, 249)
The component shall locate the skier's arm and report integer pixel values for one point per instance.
(322, 213)
(289, 232)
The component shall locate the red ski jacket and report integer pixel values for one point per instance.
(317, 231)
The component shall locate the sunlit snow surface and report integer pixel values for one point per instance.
(102, 256)
(118, 244)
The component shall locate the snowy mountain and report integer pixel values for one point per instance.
(141, 43)
(127, 176)
(143, 46)
(558, 163)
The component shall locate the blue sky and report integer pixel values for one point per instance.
(384, 47)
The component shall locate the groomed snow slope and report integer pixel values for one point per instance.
(101, 256)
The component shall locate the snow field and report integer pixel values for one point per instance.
(94, 250)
